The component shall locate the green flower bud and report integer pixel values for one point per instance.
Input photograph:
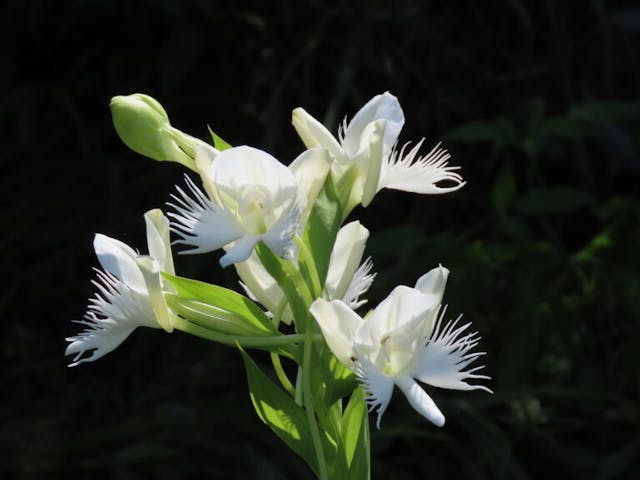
(143, 125)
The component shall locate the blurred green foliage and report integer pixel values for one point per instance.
(539, 102)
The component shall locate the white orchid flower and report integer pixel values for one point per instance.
(369, 141)
(251, 197)
(129, 292)
(402, 340)
(348, 278)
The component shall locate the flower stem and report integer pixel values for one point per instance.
(308, 401)
(282, 376)
(307, 262)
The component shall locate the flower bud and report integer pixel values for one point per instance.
(143, 125)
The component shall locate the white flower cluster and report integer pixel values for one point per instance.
(248, 197)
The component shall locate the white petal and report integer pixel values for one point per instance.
(362, 280)
(379, 387)
(119, 260)
(259, 282)
(280, 236)
(206, 154)
(151, 271)
(373, 166)
(310, 169)
(412, 173)
(240, 250)
(237, 168)
(114, 312)
(204, 157)
(96, 343)
(402, 307)
(158, 239)
(419, 400)
(443, 360)
(393, 332)
(200, 222)
(338, 324)
(314, 134)
(345, 258)
(381, 107)
(433, 282)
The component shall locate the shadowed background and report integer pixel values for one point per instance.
(540, 106)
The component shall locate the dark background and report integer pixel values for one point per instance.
(539, 102)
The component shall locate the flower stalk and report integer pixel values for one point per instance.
(303, 276)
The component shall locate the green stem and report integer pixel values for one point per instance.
(298, 396)
(232, 340)
(282, 376)
(275, 358)
(306, 261)
(308, 401)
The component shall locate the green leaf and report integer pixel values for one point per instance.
(322, 227)
(218, 142)
(553, 200)
(222, 298)
(278, 410)
(354, 450)
(601, 241)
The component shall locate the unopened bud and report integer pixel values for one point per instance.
(143, 125)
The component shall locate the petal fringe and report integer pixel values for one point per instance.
(200, 222)
(442, 361)
(360, 283)
(420, 174)
(379, 387)
(113, 313)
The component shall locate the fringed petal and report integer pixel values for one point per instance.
(443, 359)
(200, 222)
(114, 312)
(413, 173)
(378, 386)
(360, 283)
